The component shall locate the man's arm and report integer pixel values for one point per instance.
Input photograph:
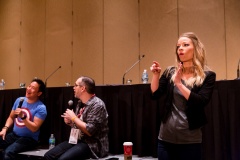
(33, 126)
(70, 115)
(81, 125)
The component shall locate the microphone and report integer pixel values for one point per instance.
(132, 67)
(20, 102)
(238, 77)
(51, 75)
(70, 103)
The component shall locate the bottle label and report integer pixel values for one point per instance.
(51, 141)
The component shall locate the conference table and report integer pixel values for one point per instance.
(134, 116)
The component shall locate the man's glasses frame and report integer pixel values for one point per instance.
(75, 85)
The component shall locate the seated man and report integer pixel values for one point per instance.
(27, 115)
(89, 133)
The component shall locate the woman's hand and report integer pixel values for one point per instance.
(178, 76)
(155, 68)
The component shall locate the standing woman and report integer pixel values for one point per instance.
(188, 88)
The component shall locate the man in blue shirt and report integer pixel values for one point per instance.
(27, 115)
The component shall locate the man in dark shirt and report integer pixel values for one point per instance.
(89, 132)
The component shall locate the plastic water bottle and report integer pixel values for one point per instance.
(51, 141)
(2, 84)
(145, 76)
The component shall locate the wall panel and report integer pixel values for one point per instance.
(103, 38)
(206, 19)
(121, 41)
(158, 28)
(32, 40)
(88, 39)
(10, 42)
(58, 42)
(232, 10)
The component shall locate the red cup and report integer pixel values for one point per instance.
(127, 148)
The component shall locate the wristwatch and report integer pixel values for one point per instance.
(24, 117)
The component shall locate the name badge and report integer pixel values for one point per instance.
(73, 139)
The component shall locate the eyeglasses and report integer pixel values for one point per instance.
(75, 85)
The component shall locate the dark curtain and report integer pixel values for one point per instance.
(134, 116)
(221, 139)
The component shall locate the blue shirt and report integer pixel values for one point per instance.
(31, 110)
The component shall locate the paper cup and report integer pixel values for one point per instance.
(127, 148)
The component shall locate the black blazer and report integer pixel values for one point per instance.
(198, 99)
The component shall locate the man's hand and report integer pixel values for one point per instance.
(3, 133)
(18, 112)
(68, 115)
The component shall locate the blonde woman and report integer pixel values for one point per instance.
(188, 88)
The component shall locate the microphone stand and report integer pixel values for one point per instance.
(131, 68)
(51, 75)
(238, 76)
(45, 94)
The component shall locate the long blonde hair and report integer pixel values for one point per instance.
(199, 60)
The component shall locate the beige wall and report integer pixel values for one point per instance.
(103, 38)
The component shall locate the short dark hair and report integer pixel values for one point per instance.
(89, 83)
(41, 84)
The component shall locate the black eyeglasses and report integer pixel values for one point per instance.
(75, 85)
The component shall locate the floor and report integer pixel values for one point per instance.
(38, 154)
(121, 157)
